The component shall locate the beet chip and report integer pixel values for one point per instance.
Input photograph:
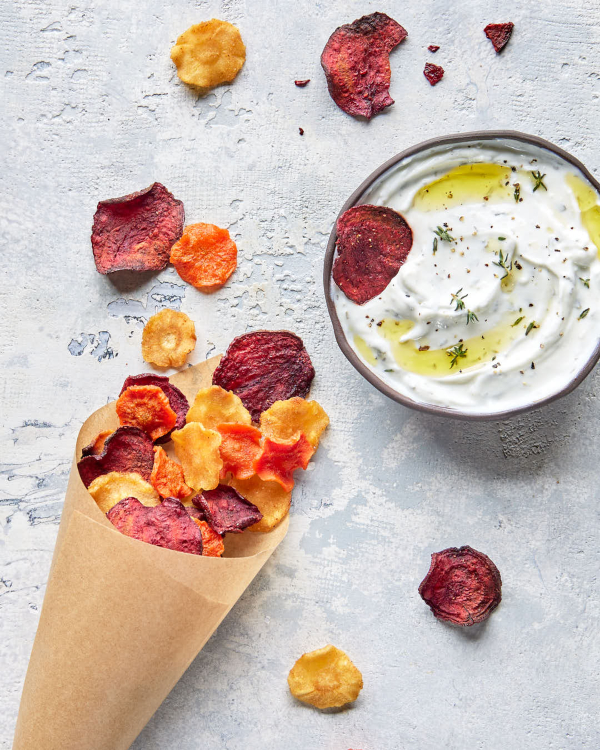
(433, 73)
(166, 525)
(499, 34)
(128, 449)
(357, 66)
(263, 367)
(225, 510)
(462, 586)
(136, 232)
(372, 243)
(177, 400)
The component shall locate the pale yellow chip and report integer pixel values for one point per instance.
(109, 489)
(269, 497)
(286, 420)
(325, 678)
(209, 53)
(167, 339)
(214, 406)
(198, 452)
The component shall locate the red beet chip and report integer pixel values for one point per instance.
(263, 367)
(433, 47)
(433, 73)
(225, 510)
(166, 525)
(499, 34)
(128, 449)
(194, 512)
(177, 401)
(372, 243)
(135, 232)
(463, 586)
(357, 66)
(302, 84)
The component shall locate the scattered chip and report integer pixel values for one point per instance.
(198, 450)
(269, 497)
(226, 511)
(263, 367)
(167, 339)
(128, 449)
(433, 73)
(285, 420)
(146, 407)
(462, 586)
(177, 401)
(205, 256)
(109, 489)
(214, 406)
(96, 447)
(357, 65)
(209, 53)
(302, 84)
(136, 232)
(499, 34)
(240, 447)
(167, 476)
(372, 244)
(433, 48)
(167, 525)
(279, 461)
(212, 543)
(325, 678)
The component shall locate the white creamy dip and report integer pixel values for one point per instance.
(505, 312)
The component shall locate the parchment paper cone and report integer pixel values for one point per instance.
(122, 620)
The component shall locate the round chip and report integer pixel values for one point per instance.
(198, 450)
(127, 449)
(109, 489)
(205, 256)
(286, 420)
(325, 678)
(167, 339)
(146, 407)
(177, 401)
(167, 476)
(209, 53)
(212, 543)
(214, 406)
(269, 497)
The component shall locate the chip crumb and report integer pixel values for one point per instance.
(302, 84)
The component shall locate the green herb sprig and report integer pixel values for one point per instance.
(456, 352)
(538, 180)
(444, 235)
(460, 305)
(584, 313)
(586, 282)
(471, 317)
(503, 262)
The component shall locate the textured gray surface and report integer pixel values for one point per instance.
(91, 109)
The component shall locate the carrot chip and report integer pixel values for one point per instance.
(198, 450)
(96, 447)
(209, 53)
(167, 476)
(269, 497)
(285, 420)
(278, 461)
(214, 406)
(240, 447)
(167, 339)
(109, 489)
(146, 407)
(212, 543)
(205, 256)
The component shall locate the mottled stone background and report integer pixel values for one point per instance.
(91, 108)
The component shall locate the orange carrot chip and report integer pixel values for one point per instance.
(109, 489)
(214, 406)
(198, 450)
(209, 53)
(96, 447)
(278, 461)
(167, 339)
(240, 447)
(285, 420)
(205, 256)
(146, 407)
(212, 543)
(167, 476)
(269, 497)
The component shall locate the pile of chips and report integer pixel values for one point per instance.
(230, 458)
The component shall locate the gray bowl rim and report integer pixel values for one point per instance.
(354, 199)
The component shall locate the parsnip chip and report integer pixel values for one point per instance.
(167, 339)
(214, 406)
(109, 489)
(279, 461)
(146, 407)
(212, 543)
(269, 497)
(325, 678)
(198, 450)
(209, 53)
(240, 447)
(167, 476)
(285, 420)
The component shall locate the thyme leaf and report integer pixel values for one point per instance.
(584, 313)
(530, 327)
(444, 235)
(460, 305)
(503, 262)
(538, 180)
(517, 321)
(471, 317)
(586, 282)
(456, 352)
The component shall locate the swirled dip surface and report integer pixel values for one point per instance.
(496, 305)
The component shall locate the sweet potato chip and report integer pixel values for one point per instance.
(325, 678)
(269, 497)
(499, 34)
(212, 543)
(167, 476)
(372, 244)
(240, 447)
(198, 450)
(462, 586)
(286, 420)
(205, 256)
(146, 407)
(433, 73)
(109, 489)
(357, 64)
(278, 461)
(167, 339)
(177, 401)
(96, 447)
(136, 232)
(209, 53)
(226, 511)
(263, 367)
(214, 406)
(167, 525)
(128, 449)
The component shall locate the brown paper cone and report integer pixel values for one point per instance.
(122, 620)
